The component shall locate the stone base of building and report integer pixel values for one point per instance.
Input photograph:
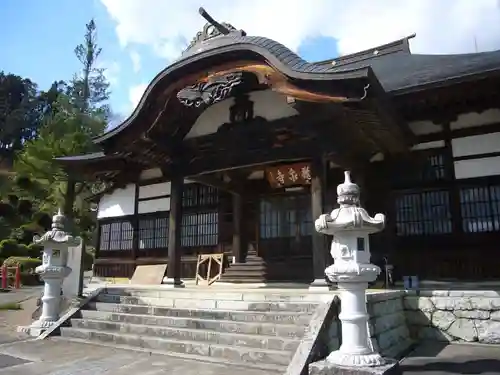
(319, 285)
(391, 367)
(172, 283)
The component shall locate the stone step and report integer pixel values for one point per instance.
(220, 295)
(300, 318)
(243, 280)
(252, 328)
(249, 273)
(238, 366)
(225, 352)
(186, 334)
(208, 303)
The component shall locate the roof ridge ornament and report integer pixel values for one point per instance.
(212, 29)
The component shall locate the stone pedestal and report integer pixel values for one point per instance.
(172, 283)
(350, 225)
(53, 271)
(391, 367)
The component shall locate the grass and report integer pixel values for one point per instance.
(10, 306)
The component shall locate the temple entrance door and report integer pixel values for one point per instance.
(285, 227)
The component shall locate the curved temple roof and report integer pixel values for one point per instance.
(394, 66)
(226, 40)
(399, 71)
(391, 67)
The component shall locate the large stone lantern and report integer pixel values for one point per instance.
(53, 271)
(350, 225)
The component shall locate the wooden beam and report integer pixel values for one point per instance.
(239, 238)
(319, 248)
(460, 133)
(174, 232)
(230, 187)
(223, 161)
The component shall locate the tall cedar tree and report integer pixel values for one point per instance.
(78, 114)
(88, 92)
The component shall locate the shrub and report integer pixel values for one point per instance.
(23, 182)
(35, 251)
(43, 219)
(10, 306)
(29, 278)
(8, 248)
(13, 199)
(25, 232)
(6, 210)
(24, 207)
(25, 263)
(22, 250)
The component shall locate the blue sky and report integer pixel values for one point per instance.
(37, 40)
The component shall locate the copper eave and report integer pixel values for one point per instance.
(250, 56)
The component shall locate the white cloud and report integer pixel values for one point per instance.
(135, 94)
(136, 61)
(444, 26)
(111, 70)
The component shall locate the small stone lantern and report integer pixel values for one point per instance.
(351, 225)
(53, 271)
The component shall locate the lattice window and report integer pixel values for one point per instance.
(285, 216)
(196, 195)
(200, 218)
(153, 233)
(424, 167)
(480, 209)
(200, 229)
(116, 236)
(423, 213)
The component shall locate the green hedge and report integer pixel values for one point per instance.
(26, 263)
(28, 278)
(9, 248)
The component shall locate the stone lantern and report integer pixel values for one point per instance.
(53, 271)
(350, 225)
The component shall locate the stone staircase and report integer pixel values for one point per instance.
(251, 329)
(253, 270)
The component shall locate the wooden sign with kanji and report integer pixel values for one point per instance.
(289, 175)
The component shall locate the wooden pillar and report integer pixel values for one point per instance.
(454, 191)
(239, 237)
(174, 233)
(135, 224)
(319, 246)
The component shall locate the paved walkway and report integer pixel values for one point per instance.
(436, 359)
(60, 357)
(11, 319)
(19, 295)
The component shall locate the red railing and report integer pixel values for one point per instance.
(10, 276)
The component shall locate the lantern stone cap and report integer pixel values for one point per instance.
(57, 234)
(350, 216)
(348, 192)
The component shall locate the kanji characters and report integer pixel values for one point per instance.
(292, 175)
(305, 173)
(280, 177)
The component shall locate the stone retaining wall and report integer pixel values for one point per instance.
(388, 329)
(454, 316)
(400, 318)
(387, 325)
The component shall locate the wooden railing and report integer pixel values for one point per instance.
(205, 262)
(10, 275)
